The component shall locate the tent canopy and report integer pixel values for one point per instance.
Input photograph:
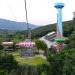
(26, 44)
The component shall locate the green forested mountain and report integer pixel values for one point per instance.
(68, 28)
(13, 25)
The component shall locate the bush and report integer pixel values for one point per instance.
(62, 63)
(1, 47)
(7, 63)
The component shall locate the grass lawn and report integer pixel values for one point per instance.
(36, 60)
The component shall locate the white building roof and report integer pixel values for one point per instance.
(7, 43)
(50, 33)
(49, 43)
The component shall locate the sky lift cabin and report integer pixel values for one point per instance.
(8, 46)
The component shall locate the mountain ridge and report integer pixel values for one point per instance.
(13, 25)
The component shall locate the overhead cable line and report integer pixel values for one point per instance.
(10, 9)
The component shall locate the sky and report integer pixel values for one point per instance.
(40, 12)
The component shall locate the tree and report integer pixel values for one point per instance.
(72, 40)
(7, 64)
(40, 45)
(14, 46)
(1, 47)
(62, 63)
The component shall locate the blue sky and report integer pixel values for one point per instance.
(40, 12)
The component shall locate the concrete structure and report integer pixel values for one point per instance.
(59, 36)
(49, 39)
(50, 36)
(59, 7)
(27, 53)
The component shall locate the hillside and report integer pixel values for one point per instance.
(13, 25)
(68, 28)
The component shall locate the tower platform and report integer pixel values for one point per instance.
(59, 5)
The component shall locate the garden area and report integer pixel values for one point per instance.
(35, 60)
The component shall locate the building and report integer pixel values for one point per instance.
(50, 36)
(49, 39)
(8, 46)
